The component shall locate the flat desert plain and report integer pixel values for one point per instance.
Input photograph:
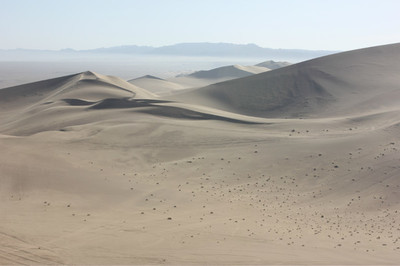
(297, 165)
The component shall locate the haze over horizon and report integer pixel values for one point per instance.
(145, 47)
(311, 25)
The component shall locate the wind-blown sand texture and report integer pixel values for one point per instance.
(298, 165)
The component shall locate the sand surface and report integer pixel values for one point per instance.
(165, 87)
(95, 170)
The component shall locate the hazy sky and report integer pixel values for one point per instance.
(304, 24)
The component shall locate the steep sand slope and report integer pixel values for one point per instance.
(94, 170)
(356, 81)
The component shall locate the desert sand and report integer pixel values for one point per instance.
(297, 165)
(165, 87)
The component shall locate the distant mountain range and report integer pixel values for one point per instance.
(187, 49)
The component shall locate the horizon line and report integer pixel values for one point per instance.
(149, 46)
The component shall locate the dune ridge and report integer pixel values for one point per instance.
(326, 86)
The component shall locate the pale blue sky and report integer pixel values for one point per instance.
(303, 24)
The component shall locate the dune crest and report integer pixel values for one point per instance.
(271, 64)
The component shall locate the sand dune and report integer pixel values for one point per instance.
(235, 71)
(207, 77)
(72, 100)
(163, 87)
(273, 64)
(89, 85)
(42, 106)
(355, 81)
(96, 170)
(202, 78)
(156, 85)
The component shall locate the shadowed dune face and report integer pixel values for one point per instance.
(95, 170)
(327, 86)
